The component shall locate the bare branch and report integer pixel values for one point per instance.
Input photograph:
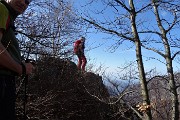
(145, 7)
(123, 5)
(152, 49)
(177, 53)
(108, 30)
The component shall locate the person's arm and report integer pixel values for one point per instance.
(8, 62)
(82, 47)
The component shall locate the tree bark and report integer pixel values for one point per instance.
(143, 82)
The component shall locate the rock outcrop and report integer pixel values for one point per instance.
(59, 91)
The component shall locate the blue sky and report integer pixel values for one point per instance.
(102, 54)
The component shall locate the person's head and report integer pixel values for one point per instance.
(19, 5)
(83, 39)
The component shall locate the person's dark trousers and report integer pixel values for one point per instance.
(7, 97)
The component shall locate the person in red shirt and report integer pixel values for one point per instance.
(79, 51)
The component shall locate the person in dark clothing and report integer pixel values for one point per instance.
(79, 51)
(11, 64)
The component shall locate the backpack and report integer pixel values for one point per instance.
(9, 23)
(76, 47)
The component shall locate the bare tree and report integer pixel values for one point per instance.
(169, 58)
(51, 28)
(124, 33)
(168, 40)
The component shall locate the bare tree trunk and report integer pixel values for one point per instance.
(144, 90)
(172, 85)
(143, 82)
(167, 56)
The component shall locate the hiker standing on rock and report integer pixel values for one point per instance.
(10, 58)
(79, 51)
